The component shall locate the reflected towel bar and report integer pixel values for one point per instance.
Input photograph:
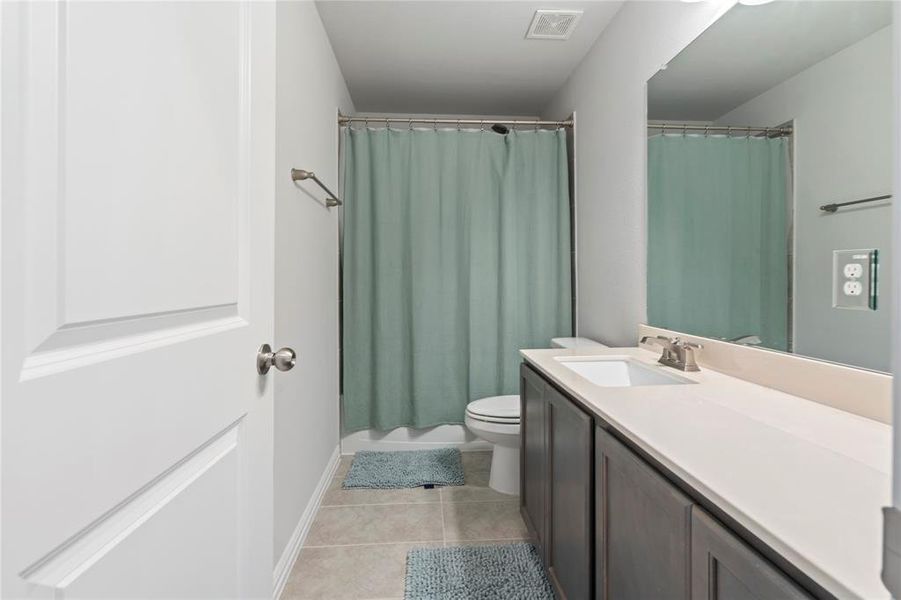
(831, 208)
(301, 175)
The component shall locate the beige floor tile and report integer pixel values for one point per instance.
(346, 572)
(475, 490)
(487, 542)
(340, 525)
(483, 521)
(476, 461)
(335, 495)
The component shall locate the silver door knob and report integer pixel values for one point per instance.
(283, 360)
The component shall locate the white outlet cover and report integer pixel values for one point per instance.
(854, 278)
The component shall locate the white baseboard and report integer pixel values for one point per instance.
(354, 446)
(289, 556)
(404, 438)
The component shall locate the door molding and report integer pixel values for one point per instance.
(64, 564)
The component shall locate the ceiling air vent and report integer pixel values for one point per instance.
(553, 24)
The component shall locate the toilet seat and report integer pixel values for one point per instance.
(502, 410)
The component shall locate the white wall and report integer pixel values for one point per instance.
(310, 91)
(841, 108)
(608, 91)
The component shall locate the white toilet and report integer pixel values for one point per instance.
(496, 419)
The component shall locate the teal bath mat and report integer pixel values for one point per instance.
(501, 572)
(405, 469)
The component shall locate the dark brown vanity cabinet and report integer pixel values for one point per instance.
(610, 526)
(724, 568)
(642, 528)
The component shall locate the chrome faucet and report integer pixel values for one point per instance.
(677, 353)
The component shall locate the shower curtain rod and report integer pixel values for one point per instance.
(664, 127)
(342, 120)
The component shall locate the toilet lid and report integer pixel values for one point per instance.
(502, 408)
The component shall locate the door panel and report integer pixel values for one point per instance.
(137, 196)
(534, 477)
(571, 507)
(643, 528)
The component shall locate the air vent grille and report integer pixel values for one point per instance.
(553, 24)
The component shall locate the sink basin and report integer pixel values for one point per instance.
(619, 371)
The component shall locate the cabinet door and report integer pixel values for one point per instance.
(533, 455)
(569, 545)
(724, 568)
(642, 528)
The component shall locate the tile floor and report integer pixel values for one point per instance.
(357, 545)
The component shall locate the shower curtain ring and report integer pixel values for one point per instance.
(387, 124)
(435, 125)
(766, 132)
(411, 124)
(366, 123)
(748, 137)
(481, 125)
(706, 130)
(729, 132)
(458, 124)
(684, 126)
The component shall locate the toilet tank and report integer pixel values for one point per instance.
(575, 342)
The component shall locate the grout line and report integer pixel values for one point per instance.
(406, 542)
(430, 503)
(510, 501)
(492, 539)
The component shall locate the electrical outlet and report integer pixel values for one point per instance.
(853, 270)
(853, 288)
(854, 279)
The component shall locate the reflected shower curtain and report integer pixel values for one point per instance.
(718, 236)
(456, 255)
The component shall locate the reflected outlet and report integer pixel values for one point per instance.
(854, 279)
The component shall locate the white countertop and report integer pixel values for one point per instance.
(808, 480)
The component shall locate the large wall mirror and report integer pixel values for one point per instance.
(769, 181)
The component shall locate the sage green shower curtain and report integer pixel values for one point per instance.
(718, 241)
(456, 254)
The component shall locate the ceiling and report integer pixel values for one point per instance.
(459, 57)
(753, 48)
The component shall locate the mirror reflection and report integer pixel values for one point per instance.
(769, 178)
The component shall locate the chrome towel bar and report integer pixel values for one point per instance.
(831, 208)
(301, 175)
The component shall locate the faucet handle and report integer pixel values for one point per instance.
(686, 352)
(690, 345)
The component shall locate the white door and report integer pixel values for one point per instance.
(137, 205)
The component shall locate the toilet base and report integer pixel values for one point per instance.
(505, 469)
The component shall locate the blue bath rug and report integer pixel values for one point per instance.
(405, 469)
(500, 572)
